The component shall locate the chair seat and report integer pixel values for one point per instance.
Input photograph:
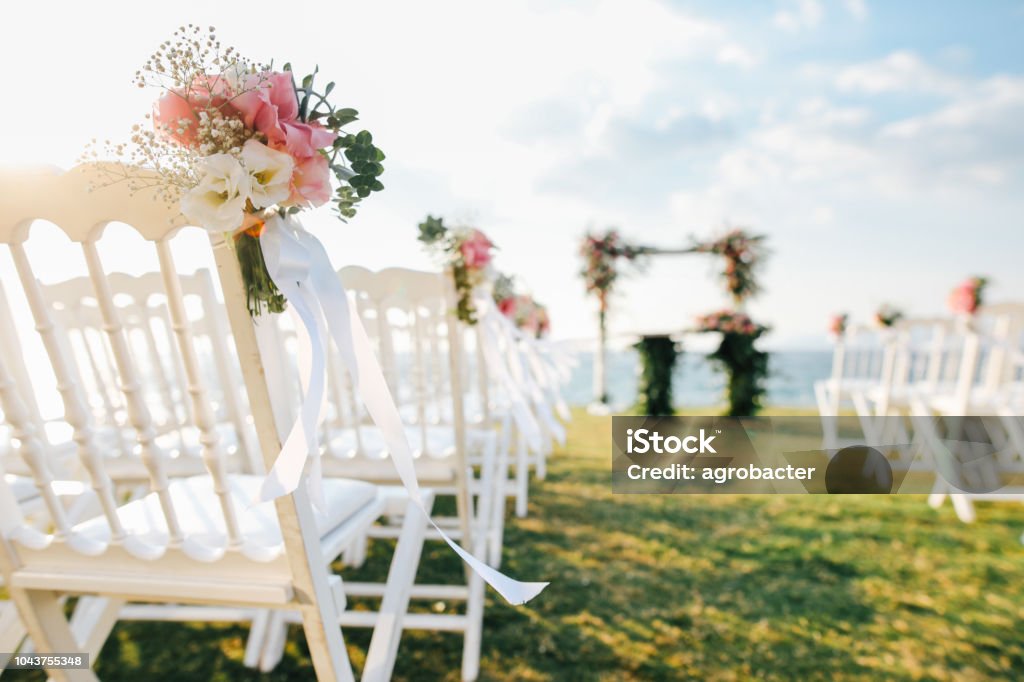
(438, 444)
(434, 464)
(199, 512)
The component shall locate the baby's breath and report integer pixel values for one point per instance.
(195, 66)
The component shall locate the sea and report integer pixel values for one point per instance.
(697, 383)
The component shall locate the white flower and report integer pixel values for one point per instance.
(271, 173)
(217, 202)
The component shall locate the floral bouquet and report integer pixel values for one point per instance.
(467, 252)
(887, 316)
(837, 324)
(527, 315)
(743, 254)
(729, 322)
(522, 309)
(745, 365)
(966, 298)
(234, 142)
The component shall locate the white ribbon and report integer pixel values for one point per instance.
(301, 269)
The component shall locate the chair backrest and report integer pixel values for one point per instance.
(144, 311)
(419, 344)
(81, 203)
(993, 339)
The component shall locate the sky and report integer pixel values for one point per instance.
(877, 144)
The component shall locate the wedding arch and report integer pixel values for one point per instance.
(742, 253)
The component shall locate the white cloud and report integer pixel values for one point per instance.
(858, 9)
(901, 71)
(799, 15)
(735, 55)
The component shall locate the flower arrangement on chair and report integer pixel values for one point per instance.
(527, 315)
(837, 325)
(235, 142)
(745, 365)
(968, 296)
(467, 252)
(887, 316)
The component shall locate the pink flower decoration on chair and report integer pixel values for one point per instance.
(175, 116)
(476, 250)
(269, 106)
(965, 299)
(178, 110)
(311, 182)
(507, 306)
(961, 300)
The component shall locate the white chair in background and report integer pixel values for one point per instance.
(988, 387)
(920, 357)
(192, 540)
(419, 345)
(144, 313)
(857, 364)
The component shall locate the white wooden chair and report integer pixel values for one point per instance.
(192, 540)
(417, 340)
(989, 385)
(859, 360)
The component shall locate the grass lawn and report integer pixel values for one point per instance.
(691, 587)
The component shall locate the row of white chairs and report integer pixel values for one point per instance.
(944, 394)
(140, 495)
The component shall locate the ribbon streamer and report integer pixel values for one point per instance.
(298, 264)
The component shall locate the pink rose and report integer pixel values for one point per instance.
(176, 117)
(311, 182)
(269, 105)
(178, 110)
(268, 99)
(507, 306)
(963, 299)
(476, 250)
(303, 140)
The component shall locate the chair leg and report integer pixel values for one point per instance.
(387, 633)
(93, 620)
(274, 641)
(474, 629)
(12, 632)
(522, 476)
(964, 507)
(43, 615)
(496, 528)
(355, 554)
(485, 495)
(257, 638)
